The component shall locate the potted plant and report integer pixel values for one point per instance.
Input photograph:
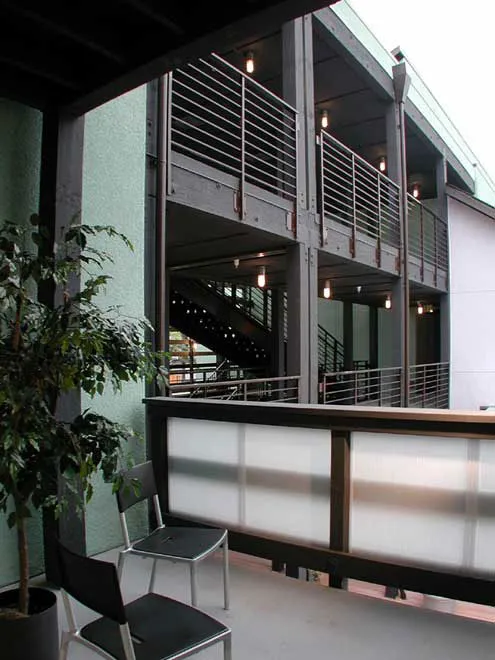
(47, 351)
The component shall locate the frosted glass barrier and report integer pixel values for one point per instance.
(267, 479)
(482, 504)
(409, 498)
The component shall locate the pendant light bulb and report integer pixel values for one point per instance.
(324, 119)
(421, 309)
(327, 291)
(416, 191)
(383, 164)
(250, 62)
(388, 303)
(262, 277)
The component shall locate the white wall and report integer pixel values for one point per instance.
(472, 307)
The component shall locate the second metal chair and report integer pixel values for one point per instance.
(182, 544)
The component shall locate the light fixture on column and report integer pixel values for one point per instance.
(421, 309)
(327, 290)
(416, 191)
(388, 302)
(383, 164)
(249, 62)
(261, 277)
(325, 119)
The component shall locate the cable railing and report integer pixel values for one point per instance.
(221, 117)
(428, 236)
(428, 386)
(284, 389)
(356, 195)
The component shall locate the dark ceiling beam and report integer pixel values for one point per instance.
(32, 67)
(360, 122)
(145, 9)
(42, 21)
(329, 26)
(340, 97)
(231, 35)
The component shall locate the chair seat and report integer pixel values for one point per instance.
(187, 543)
(160, 627)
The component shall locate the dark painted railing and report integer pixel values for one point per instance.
(399, 497)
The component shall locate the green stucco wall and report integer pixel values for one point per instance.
(113, 193)
(20, 150)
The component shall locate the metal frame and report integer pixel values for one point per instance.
(244, 390)
(129, 549)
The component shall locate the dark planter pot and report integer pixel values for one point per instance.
(34, 637)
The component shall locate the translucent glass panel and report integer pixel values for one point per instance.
(269, 479)
(482, 508)
(413, 498)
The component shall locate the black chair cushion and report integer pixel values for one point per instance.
(181, 542)
(160, 628)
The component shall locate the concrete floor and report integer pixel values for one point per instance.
(274, 617)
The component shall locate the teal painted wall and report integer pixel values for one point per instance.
(114, 194)
(20, 150)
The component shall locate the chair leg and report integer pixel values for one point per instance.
(227, 647)
(151, 585)
(120, 565)
(64, 646)
(226, 577)
(194, 584)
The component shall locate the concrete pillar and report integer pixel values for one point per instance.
(278, 333)
(348, 336)
(373, 337)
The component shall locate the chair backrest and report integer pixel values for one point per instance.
(144, 487)
(92, 582)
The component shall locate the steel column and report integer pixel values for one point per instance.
(60, 204)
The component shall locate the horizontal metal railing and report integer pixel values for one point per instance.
(284, 389)
(356, 195)
(379, 387)
(221, 117)
(428, 386)
(428, 236)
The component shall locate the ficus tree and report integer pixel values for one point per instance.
(48, 351)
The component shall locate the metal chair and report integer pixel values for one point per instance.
(152, 627)
(184, 544)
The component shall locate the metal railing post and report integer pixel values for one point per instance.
(242, 182)
(422, 241)
(379, 228)
(354, 210)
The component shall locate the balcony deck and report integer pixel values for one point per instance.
(274, 617)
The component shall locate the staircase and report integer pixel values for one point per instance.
(236, 321)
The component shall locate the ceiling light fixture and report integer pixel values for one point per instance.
(327, 291)
(421, 309)
(383, 164)
(249, 62)
(325, 120)
(416, 191)
(262, 277)
(388, 303)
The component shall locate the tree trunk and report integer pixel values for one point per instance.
(22, 545)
